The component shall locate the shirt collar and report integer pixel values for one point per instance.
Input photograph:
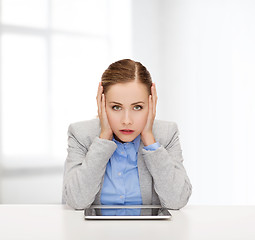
(135, 142)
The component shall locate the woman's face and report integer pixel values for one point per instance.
(127, 108)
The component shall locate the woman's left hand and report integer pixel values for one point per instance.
(147, 135)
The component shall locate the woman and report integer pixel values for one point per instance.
(125, 157)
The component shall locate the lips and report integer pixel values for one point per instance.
(126, 130)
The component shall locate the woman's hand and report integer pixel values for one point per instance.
(147, 135)
(106, 131)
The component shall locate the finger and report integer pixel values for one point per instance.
(99, 100)
(98, 89)
(98, 105)
(150, 107)
(154, 91)
(156, 99)
(153, 103)
(153, 100)
(103, 105)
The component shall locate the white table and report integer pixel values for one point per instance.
(57, 222)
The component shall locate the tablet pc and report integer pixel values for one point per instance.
(126, 212)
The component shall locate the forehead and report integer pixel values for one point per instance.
(124, 92)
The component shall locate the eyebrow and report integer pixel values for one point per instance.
(131, 104)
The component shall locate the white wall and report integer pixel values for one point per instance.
(147, 35)
(202, 53)
(201, 56)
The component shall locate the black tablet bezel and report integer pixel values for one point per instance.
(88, 212)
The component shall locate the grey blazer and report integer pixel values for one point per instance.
(163, 179)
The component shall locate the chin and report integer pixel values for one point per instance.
(124, 139)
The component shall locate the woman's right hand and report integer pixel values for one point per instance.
(106, 131)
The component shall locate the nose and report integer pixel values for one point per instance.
(127, 118)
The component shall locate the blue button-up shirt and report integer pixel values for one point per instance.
(121, 181)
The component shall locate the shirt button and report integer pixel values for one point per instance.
(119, 173)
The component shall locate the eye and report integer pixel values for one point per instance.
(116, 107)
(140, 107)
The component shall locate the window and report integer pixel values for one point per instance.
(53, 53)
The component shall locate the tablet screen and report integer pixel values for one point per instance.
(150, 212)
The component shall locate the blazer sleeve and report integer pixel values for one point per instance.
(84, 169)
(171, 182)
